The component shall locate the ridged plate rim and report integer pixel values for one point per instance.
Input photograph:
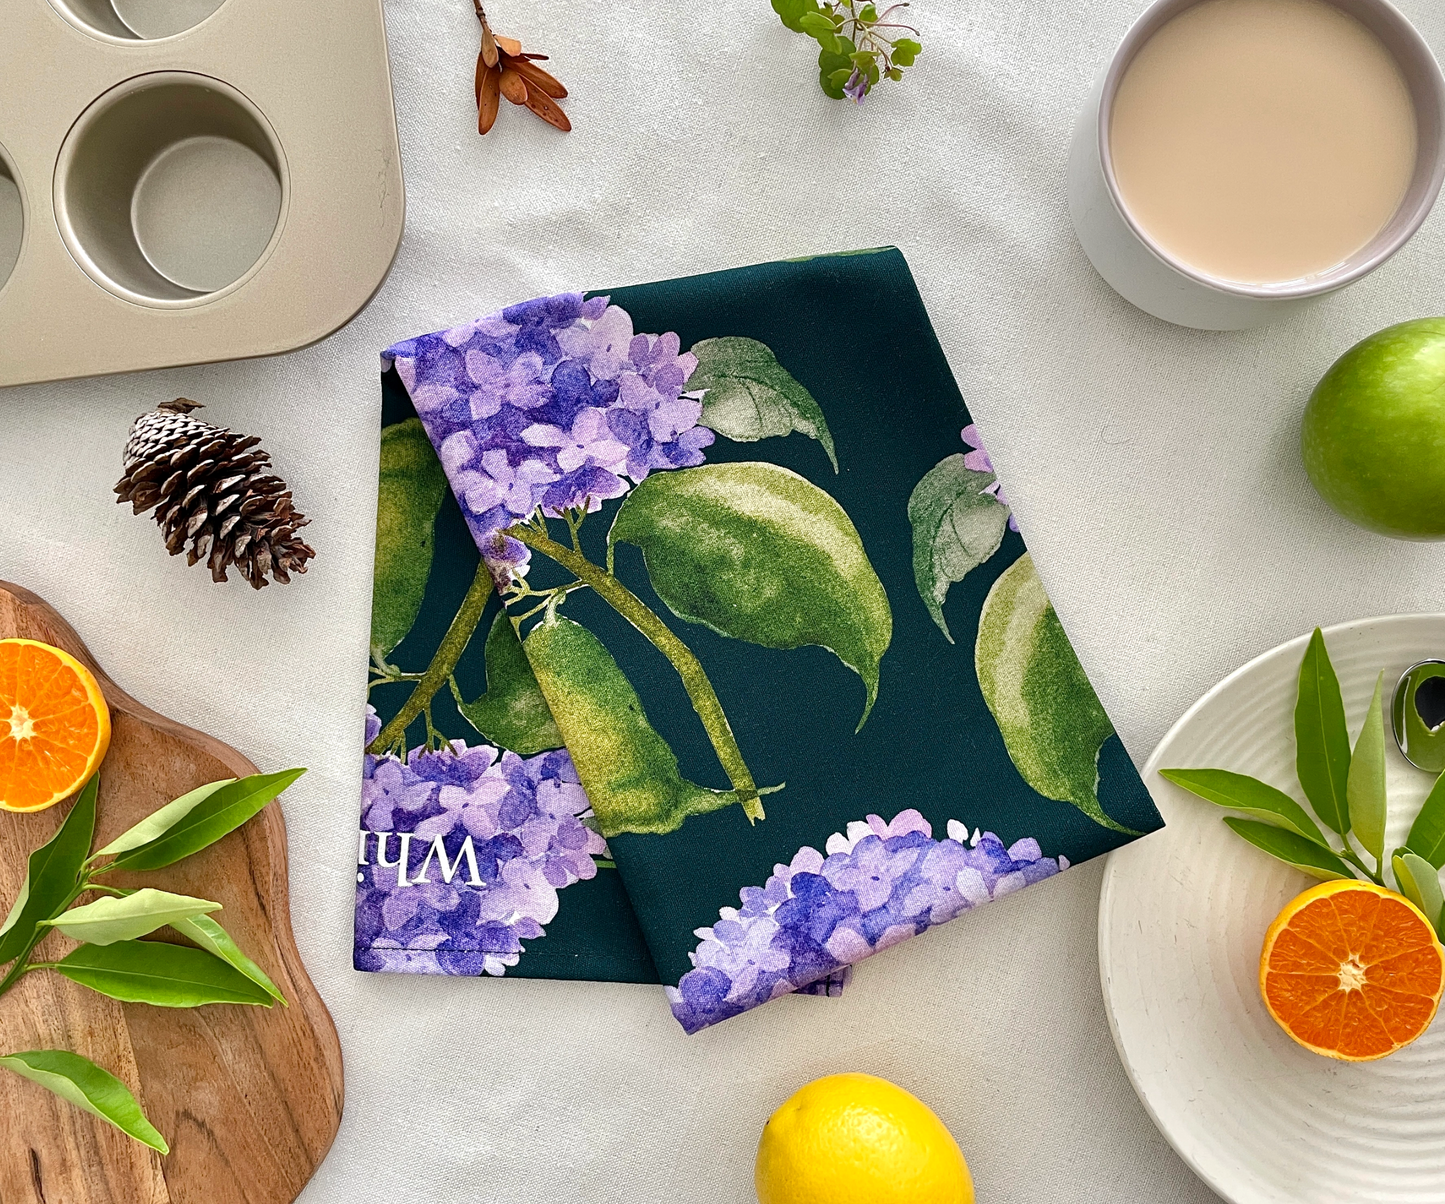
(1158, 1030)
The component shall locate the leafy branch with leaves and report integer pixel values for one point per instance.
(112, 959)
(1346, 790)
(857, 44)
(750, 550)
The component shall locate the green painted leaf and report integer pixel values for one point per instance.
(1322, 741)
(216, 941)
(134, 914)
(218, 814)
(160, 974)
(162, 819)
(1052, 723)
(81, 1082)
(1427, 833)
(53, 874)
(1291, 848)
(1420, 883)
(630, 772)
(793, 11)
(512, 714)
(1240, 792)
(956, 527)
(1365, 783)
(409, 495)
(751, 396)
(759, 553)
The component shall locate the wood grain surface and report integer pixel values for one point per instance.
(248, 1098)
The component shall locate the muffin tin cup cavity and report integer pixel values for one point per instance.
(170, 189)
(12, 218)
(136, 20)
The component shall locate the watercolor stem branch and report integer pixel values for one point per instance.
(393, 736)
(694, 678)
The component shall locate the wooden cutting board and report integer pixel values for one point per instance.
(248, 1098)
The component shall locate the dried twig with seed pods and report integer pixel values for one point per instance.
(503, 69)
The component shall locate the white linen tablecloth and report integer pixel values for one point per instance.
(1155, 471)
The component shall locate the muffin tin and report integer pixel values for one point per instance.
(183, 181)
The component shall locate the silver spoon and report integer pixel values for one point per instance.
(1417, 714)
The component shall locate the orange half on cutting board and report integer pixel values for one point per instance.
(54, 725)
(1352, 970)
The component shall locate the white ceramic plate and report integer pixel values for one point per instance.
(1181, 920)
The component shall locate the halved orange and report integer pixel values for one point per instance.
(1352, 970)
(54, 725)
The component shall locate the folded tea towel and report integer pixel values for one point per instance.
(490, 772)
(770, 598)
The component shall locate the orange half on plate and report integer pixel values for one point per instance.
(1352, 971)
(54, 725)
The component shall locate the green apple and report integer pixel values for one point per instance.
(1374, 432)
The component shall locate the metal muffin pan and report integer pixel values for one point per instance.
(184, 181)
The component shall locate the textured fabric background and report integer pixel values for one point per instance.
(1154, 469)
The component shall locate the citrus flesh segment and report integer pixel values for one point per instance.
(54, 725)
(1352, 970)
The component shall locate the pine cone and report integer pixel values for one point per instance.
(212, 495)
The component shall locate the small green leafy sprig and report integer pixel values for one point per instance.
(111, 959)
(1345, 788)
(858, 45)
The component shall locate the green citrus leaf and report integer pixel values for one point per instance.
(1427, 833)
(410, 493)
(1365, 782)
(52, 876)
(1291, 848)
(161, 820)
(1052, 723)
(160, 974)
(1322, 741)
(629, 772)
(1239, 792)
(751, 396)
(81, 1082)
(216, 941)
(759, 553)
(1420, 883)
(134, 914)
(221, 812)
(512, 713)
(956, 527)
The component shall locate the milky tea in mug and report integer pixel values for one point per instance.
(1262, 141)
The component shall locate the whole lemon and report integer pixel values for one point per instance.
(857, 1139)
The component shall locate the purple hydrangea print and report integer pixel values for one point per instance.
(554, 404)
(462, 853)
(878, 884)
(979, 461)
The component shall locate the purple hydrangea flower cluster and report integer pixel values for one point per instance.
(555, 403)
(462, 854)
(979, 461)
(878, 884)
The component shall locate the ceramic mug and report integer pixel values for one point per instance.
(1149, 277)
